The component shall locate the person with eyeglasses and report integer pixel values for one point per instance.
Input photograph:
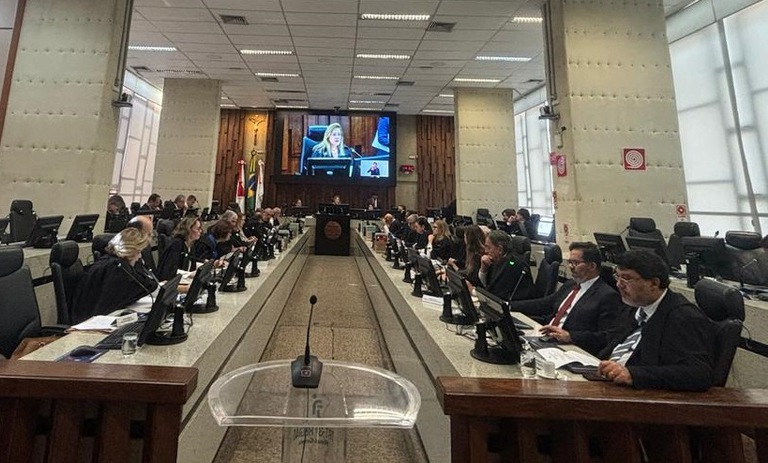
(666, 342)
(583, 310)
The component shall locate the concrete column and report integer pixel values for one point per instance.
(486, 166)
(407, 185)
(187, 139)
(58, 143)
(613, 90)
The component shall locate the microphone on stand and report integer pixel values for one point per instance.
(717, 233)
(741, 271)
(307, 369)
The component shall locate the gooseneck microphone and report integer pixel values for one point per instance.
(744, 267)
(519, 280)
(306, 369)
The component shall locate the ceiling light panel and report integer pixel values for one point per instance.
(276, 74)
(508, 59)
(150, 48)
(251, 51)
(383, 56)
(394, 17)
(477, 80)
(376, 77)
(527, 19)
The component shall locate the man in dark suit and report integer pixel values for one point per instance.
(584, 310)
(502, 272)
(667, 343)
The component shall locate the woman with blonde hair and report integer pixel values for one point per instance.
(441, 241)
(332, 145)
(116, 280)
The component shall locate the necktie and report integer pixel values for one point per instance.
(632, 340)
(565, 306)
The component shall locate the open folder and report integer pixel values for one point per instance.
(564, 358)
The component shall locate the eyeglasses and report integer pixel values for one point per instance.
(623, 280)
(574, 263)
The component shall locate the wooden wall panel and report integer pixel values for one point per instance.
(435, 164)
(231, 140)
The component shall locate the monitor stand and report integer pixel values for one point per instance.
(177, 334)
(495, 355)
(210, 301)
(236, 288)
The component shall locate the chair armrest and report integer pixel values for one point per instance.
(53, 330)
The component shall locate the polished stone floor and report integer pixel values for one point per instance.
(344, 328)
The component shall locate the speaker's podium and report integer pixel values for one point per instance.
(314, 421)
(332, 230)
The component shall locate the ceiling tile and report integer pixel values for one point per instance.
(197, 38)
(280, 30)
(323, 31)
(154, 14)
(325, 6)
(314, 19)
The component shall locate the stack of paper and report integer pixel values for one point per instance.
(101, 323)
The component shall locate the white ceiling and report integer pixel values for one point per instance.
(326, 35)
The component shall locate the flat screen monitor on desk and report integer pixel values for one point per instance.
(82, 228)
(610, 245)
(457, 284)
(705, 256)
(201, 280)
(653, 245)
(45, 232)
(340, 167)
(330, 208)
(501, 328)
(546, 229)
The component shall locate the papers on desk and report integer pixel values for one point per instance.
(564, 357)
(186, 277)
(102, 323)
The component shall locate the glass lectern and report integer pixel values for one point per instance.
(314, 421)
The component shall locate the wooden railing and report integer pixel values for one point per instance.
(71, 412)
(515, 420)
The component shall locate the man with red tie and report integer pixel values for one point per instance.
(584, 310)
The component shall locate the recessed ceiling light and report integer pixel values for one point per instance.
(266, 52)
(276, 74)
(149, 48)
(381, 56)
(395, 17)
(527, 19)
(446, 95)
(366, 102)
(378, 77)
(352, 108)
(437, 111)
(511, 59)
(229, 106)
(291, 106)
(486, 81)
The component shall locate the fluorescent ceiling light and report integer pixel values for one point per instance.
(291, 106)
(266, 52)
(437, 111)
(395, 17)
(229, 106)
(352, 108)
(381, 56)
(527, 19)
(366, 102)
(149, 48)
(276, 74)
(511, 59)
(485, 81)
(377, 77)
(446, 95)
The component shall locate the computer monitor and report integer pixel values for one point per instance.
(330, 208)
(3, 225)
(500, 326)
(45, 232)
(202, 278)
(705, 256)
(457, 284)
(165, 302)
(82, 228)
(546, 229)
(230, 272)
(435, 212)
(429, 277)
(610, 245)
(654, 245)
(341, 167)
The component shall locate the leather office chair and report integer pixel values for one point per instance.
(164, 234)
(484, 217)
(746, 260)
(18, 305)
(314, 136)
(99, 244)
(724, 305)
(521, 246)
(135, 207)
(23, 219)
(675, 244)
(67, 271)
(549, 269)
(645, 227)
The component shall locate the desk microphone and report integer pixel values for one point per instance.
(136, 280)
(717, 233)
(306, 369)
(744, 267)
(519, 280)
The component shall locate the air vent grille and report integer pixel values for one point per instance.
(269, 79)
(406, 83)
(233, 19)
(436, 26)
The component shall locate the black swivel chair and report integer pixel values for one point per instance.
(99, 244)
(675, 244)
(164, 234)
(23, 219)
(747, 261)
(645, 227)
(549, 269)
(67, 271)
(18, 305)
(314, 136)
(484, 217)
(135, 208)
(724, 305)
(522, 247)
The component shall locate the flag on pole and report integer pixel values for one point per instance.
(251, 187)
(259, 186)
(240, 197)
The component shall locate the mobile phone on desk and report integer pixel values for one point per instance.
(595, 376)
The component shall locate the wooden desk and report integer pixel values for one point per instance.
(505, 419)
